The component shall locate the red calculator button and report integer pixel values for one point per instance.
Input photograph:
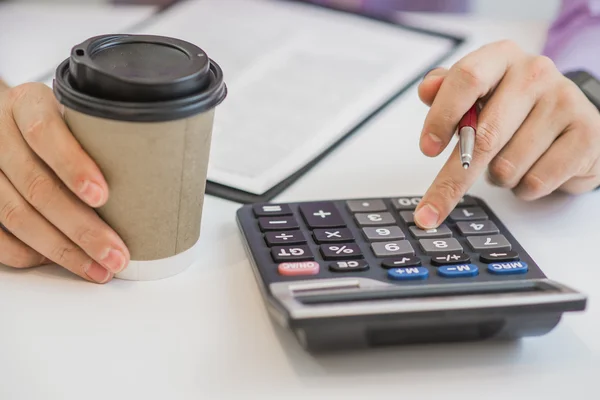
(298, 268)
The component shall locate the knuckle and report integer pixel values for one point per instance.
(13, 214)
(539, 67)
(86, 236)
(19, 259)
(502, 172)
(62, 254)
(34, 129)
(471, 75)
(533, 185)
(507, 45)
(450, 188)
(568, 97)
(40, 189)
(488, 137)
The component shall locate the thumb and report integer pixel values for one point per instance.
(430, 85)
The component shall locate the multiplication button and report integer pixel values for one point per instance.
(332, 235)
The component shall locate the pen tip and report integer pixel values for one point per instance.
(466, 165)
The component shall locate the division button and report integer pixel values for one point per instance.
(406, 274)
(271, 210)
(458, 271)
(284, 238)
(499, 256)
(384, 233)
(440, 246)
(374, 219)
(321, 215)
(292, 253)
(493, 242)
(349, 266)
(298, 268)
(391, 249)
(277, 223)
(366, 205)
(341, 251)
(508, 268)
(477, 228)
(448, 259)
(332, 235)
(468, 214)
(440, 232)
(406, 261)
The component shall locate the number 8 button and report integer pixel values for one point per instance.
(437, 246)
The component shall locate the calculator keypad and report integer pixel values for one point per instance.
(378, 239)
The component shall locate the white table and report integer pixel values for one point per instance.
(205, 333)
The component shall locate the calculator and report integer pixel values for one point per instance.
(358, 273)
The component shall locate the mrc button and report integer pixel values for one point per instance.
(298, 268)
(507, 268)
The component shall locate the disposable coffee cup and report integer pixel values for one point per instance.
(143, 107)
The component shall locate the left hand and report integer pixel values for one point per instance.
(537, 132)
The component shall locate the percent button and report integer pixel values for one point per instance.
(341, 251)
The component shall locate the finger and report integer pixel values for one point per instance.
(3, 85)
(535, 136)
(467, 81)
(502, 115)
(573, 154)
(581, 185)
(16, 254)
(38, 118)
(36, 232)
(430, 85)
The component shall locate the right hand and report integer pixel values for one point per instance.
(48, 189)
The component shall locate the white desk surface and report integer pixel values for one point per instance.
(205, 333)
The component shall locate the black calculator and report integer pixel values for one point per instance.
(358, 273)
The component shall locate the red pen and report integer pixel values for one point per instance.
(466, 136)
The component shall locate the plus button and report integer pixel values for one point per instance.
(322, 214)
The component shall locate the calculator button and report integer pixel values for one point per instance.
(437, 246)
(333, 235)
(408, 217)
(340, 251)
(400, 262)
(284, 238)
(298, 268)
(321, 215)
(366, 205)
(406, 203)
(448, 259)
(499, 256)
(468, 214)
(277, 223)
(271, 210)
(391, 249)
(458, 271)
(291, 253)
(349, 266)
(440, 232)
(383, 233)
(466, 201)
(492, 242)
(508, 268)
(407, 274)
(375, 219)
(477, 228)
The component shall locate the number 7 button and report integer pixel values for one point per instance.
(492, 242)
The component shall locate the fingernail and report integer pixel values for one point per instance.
(92, 193)
(97, 273)
(436, 144)
(427, 217)
(114, 261)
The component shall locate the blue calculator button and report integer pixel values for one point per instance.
(506, 268)
(458, 271)
(405, 274)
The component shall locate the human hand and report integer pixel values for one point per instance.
(537, 132)
(48, 186)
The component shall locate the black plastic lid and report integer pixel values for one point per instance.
(139, 78)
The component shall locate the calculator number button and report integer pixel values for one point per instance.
(384, 233)
(277, 223)
(332, 235)
(407, 203)
(477, 228)
(341, 251)
(440, 232)
(468, 214)
(496, 242)
(437, 246)
(374, 219)
(408, 217)
(498, 256)
(271, 210)
(298, 268)
(321, 215)
(391, 249)
(449, 259)
(407, 261)
(508, 268)
(467, 201)
(284, 238)
(293, 253)
(458, 271)
(366, 205)
(408, 274)
(349, 266)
